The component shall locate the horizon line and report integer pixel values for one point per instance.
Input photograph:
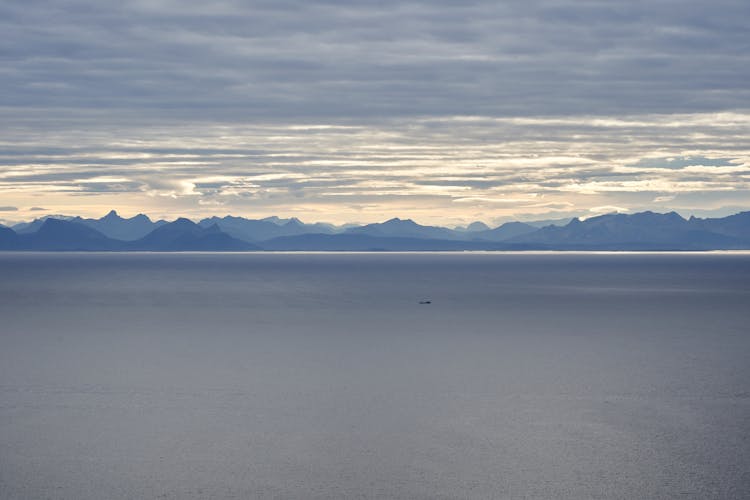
(550, 218)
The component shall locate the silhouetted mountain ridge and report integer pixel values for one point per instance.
(8, 239)
(254, 230)
(119, 228)
(644, 230)
(639, 231)
(405, 228)
(504, 232)
(185, 235)
(65, 235)
(111, 225)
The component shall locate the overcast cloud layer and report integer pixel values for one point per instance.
(362, 110)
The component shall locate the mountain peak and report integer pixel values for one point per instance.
(404, 222)
(51, 222)
(667, 217)
(294, 221)
(184, 234)
(274, 220)
(675, 215)
(477, 226)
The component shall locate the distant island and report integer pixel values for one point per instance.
(640, 231)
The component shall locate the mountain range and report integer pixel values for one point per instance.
(639, 231)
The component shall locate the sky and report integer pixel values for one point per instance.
(363, 110)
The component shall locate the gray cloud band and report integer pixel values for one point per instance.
(360, 60)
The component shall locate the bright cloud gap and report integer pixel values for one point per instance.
(486, 169)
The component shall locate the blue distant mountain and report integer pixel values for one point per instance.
(186, 235)
(73, 235)
(549, 222)
(8, 239)
(736, 226)
(33, 226)
(640, 231)
(473, 227)
(504, 232)
(111, 225)
(244, 229)
(119, 228)
(405, 228)
(64, 235)
(254, 230)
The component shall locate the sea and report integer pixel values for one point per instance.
(374, 376)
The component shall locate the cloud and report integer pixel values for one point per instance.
(326, 60)
(664, 199)
(453, 165)
(8, 209)
(684, 162)
(373, 108)
(608, 209)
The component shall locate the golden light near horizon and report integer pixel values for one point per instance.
(339, 174)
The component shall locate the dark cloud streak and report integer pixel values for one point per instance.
(360, 60)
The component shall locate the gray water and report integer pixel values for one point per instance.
(529, 376)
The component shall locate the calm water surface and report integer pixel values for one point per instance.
(316, 376)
